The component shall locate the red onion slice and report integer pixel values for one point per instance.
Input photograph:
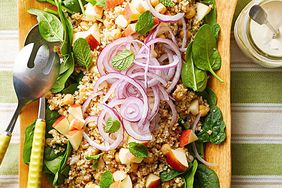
(162, 17)
(131, 129)
(131, 109)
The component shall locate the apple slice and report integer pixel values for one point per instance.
(140, 5)
(131, 13)
(130, 30)
(93, 43)
(61, 125)
(176, 158)
(93, 12)
(187, 137)
(153, 181)
(125, 183)
(76, 111)
(119, 175)
(75, 138)
(202, 11)
(113, 3)
(76, 124)
(126, 157)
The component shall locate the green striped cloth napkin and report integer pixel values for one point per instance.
(256, 112)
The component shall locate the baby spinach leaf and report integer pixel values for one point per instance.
(123, 60)
(191, 76)
(28, 138)
(50, 27)
(145, 23)
(112, 126)
(82, 52)
(211, 17)
(215, 30)
(189, 176)
(210, 96)
(106, 179)
(215, 60)
(50, 154)
(167, 3)
(206, 178)
(203, 48)
(72, 5)
(213, 129)
(54, 165)
(137, 149)
(169, 175)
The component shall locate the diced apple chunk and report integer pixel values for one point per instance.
(76, 111)
(76, 124)
(94, 30)
(153, 181)
(93, 12)
(160, 8)
(130, 29)
(140, 5)
(154, 2)
(126, 157)
(113, 3)
(121, 21)
(177, 159)
(194, 107)
(119, 175)
(126, 183)
(75, 138)
(61, 125)
(202, 11)
(93, 43)
(187, 137)
(131, 13)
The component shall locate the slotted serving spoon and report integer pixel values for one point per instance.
(35, 70)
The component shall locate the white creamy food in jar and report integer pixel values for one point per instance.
(262, 36)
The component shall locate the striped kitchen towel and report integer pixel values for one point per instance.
(256, 112)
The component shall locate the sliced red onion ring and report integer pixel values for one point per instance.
(196, 121)
(132, 130)
(162, 17)
(90, 119)
(184, 40)
(131, 109)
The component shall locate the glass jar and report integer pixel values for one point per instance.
(245, 41)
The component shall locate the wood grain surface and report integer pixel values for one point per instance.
(219, 154)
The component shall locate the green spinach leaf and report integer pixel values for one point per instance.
(191, 76)
(28, 138)
(72, 5)
(50, 27)
(203, 48)
(206, 177)
(189, 176)
(210, 96)
(145, 23)
(82, 52)
(211, 17)
(123, 60)
(137, 149)
(215, 60)
(106, 179)
(213, 129)
(169, 175)
(215, 30)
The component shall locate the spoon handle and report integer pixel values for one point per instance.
(36, 157)
(4, 143)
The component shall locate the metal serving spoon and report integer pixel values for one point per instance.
(258, 14)
(35, 70)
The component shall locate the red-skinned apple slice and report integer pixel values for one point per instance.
(130, 29)
(153, 181)
(126, 157)
(93, 43)
(76, 111)
(61, 125)
(126, 183)
(113, 3)
(177, 159)
(76, 124)
(187, 137)
(131, 13)
(75, 138)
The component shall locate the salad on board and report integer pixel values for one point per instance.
(131, 106)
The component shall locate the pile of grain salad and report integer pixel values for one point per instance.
(131, 106)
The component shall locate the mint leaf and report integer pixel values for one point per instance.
(145, 23)
(112, 126)
(82, 52)
(138, 150)
(106, 179)
(99, 3)
(95, 159)
(167, 3)
(123, 60)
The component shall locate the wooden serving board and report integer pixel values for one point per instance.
(219, 154)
